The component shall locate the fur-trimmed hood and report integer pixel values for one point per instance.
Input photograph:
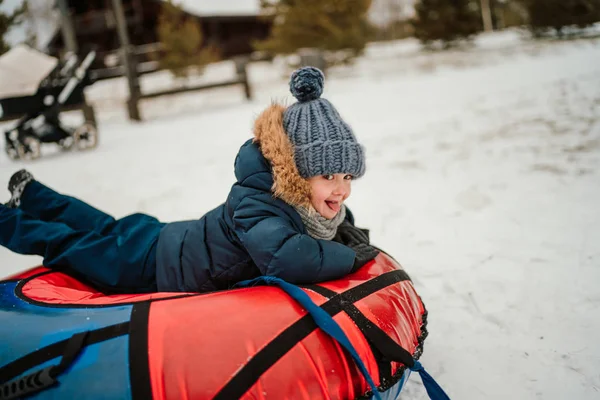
(275, 146)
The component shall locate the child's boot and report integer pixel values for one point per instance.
(16, 186)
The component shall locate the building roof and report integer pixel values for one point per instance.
(220, 8)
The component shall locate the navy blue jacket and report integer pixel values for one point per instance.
(253, 233)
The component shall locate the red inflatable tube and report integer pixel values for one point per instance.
(258, 343)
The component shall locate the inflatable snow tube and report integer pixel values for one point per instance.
(62, 339)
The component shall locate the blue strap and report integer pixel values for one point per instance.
(321, 318)
(434, 390)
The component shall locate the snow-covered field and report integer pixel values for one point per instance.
(483, 181)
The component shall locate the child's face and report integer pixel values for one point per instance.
(329, 192)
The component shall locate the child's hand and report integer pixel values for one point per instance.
(364, 254)
(350, 235)
(358, 240)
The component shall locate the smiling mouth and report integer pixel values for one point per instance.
(333, 205)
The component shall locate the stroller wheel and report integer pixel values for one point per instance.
(29, 149)
(66, 143)
(11, 143)
(12, 152)
(86, 136)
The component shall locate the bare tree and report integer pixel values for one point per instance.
(486, 16)
(40, 20)
(7, 21)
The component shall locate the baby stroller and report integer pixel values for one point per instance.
(62, 86)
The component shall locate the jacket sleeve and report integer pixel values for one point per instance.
(278, 249)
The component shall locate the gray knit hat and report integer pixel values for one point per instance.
(323, 143)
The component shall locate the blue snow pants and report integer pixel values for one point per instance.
(115, 255)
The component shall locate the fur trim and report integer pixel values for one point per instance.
(275, 146)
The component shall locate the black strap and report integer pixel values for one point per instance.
(46, 377)
(385, 349)
(247, 376)
(385, 344)
(47, 353)
(383, 365)
(139, 369)
(72, 349)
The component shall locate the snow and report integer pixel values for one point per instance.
(483, 181)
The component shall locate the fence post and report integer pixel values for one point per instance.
(66, 27)
(241, 62)
(130, 59)
(129, 62)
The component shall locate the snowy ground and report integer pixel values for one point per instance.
(483, 181)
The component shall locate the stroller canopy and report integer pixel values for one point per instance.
(22, 69)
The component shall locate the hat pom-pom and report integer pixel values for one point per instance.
(307, 83)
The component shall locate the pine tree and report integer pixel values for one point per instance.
(7, 21)
(446, 20)
(545, 15)
(181, 38)
(321, 24)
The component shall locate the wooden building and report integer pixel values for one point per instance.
(229, 25)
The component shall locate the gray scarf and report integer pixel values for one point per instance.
(318, 226)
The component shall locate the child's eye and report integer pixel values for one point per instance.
(329, 177)
(348, 177)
